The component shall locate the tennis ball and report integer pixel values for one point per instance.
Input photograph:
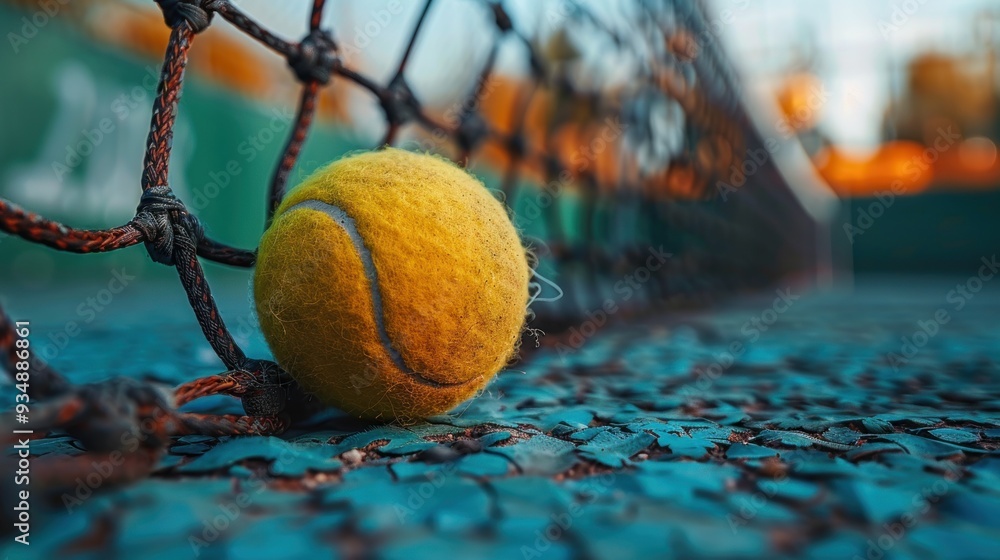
(391, 285)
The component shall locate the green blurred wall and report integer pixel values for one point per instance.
(67, 87)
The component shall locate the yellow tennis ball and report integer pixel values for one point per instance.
(391, 285)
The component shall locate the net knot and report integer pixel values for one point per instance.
(264, 384)
(315, 58)
(472, 130)
(398, 102)
(122, 406)
(165, 222)
(192, 12)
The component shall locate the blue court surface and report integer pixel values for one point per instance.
(792, 424)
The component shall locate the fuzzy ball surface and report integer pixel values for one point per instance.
(391, 285)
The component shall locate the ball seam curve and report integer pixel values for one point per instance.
(342, 219)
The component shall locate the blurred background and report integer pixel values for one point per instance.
(909, 97)
(892, 106)
(778, 144)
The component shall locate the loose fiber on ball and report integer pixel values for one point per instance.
(391, 285)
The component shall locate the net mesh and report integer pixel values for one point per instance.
(660, 439)
(607, 162)
(609, 158)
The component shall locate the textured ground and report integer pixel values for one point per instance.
(694, 435)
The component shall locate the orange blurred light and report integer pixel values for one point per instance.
(222, 57)
(978, 153)
(801, 101)
(902, 167)
(973, 164)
